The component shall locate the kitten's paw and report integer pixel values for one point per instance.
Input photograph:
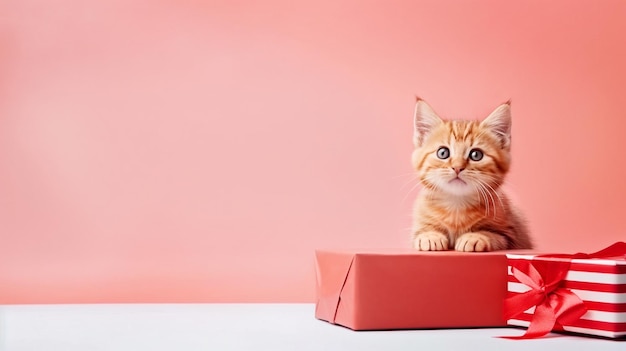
(431, 241)
(473, 242)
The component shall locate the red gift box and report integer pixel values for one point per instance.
(409, 289)
(574, 293)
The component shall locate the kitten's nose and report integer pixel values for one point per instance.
(458, 170)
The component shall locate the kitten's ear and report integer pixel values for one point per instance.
(499, 123)
(424, 120)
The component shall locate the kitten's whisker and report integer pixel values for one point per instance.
(495, 179)
(493, 201)
(483, 196)
(403, 175)
(419, 182)
(409, 182)
(497, 195)
(432, 182)
(487, 202)
(409, 193)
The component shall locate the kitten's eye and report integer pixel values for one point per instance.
(476, 155)
(443, 153)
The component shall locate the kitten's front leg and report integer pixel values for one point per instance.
(480, 241)
(430, 241)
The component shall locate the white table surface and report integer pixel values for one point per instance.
(156, 327)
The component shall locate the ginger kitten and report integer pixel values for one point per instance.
(461, 165)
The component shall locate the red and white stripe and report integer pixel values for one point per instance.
(600, 283)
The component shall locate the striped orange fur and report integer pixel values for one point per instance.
(462, 166)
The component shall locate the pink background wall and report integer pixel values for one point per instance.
(166, 151)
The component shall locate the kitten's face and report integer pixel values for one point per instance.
(462, 158)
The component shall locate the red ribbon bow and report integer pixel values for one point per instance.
(554, 304)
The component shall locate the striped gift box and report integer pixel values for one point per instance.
(600, 283)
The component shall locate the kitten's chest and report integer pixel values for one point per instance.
(454, 217)
(460, 220)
